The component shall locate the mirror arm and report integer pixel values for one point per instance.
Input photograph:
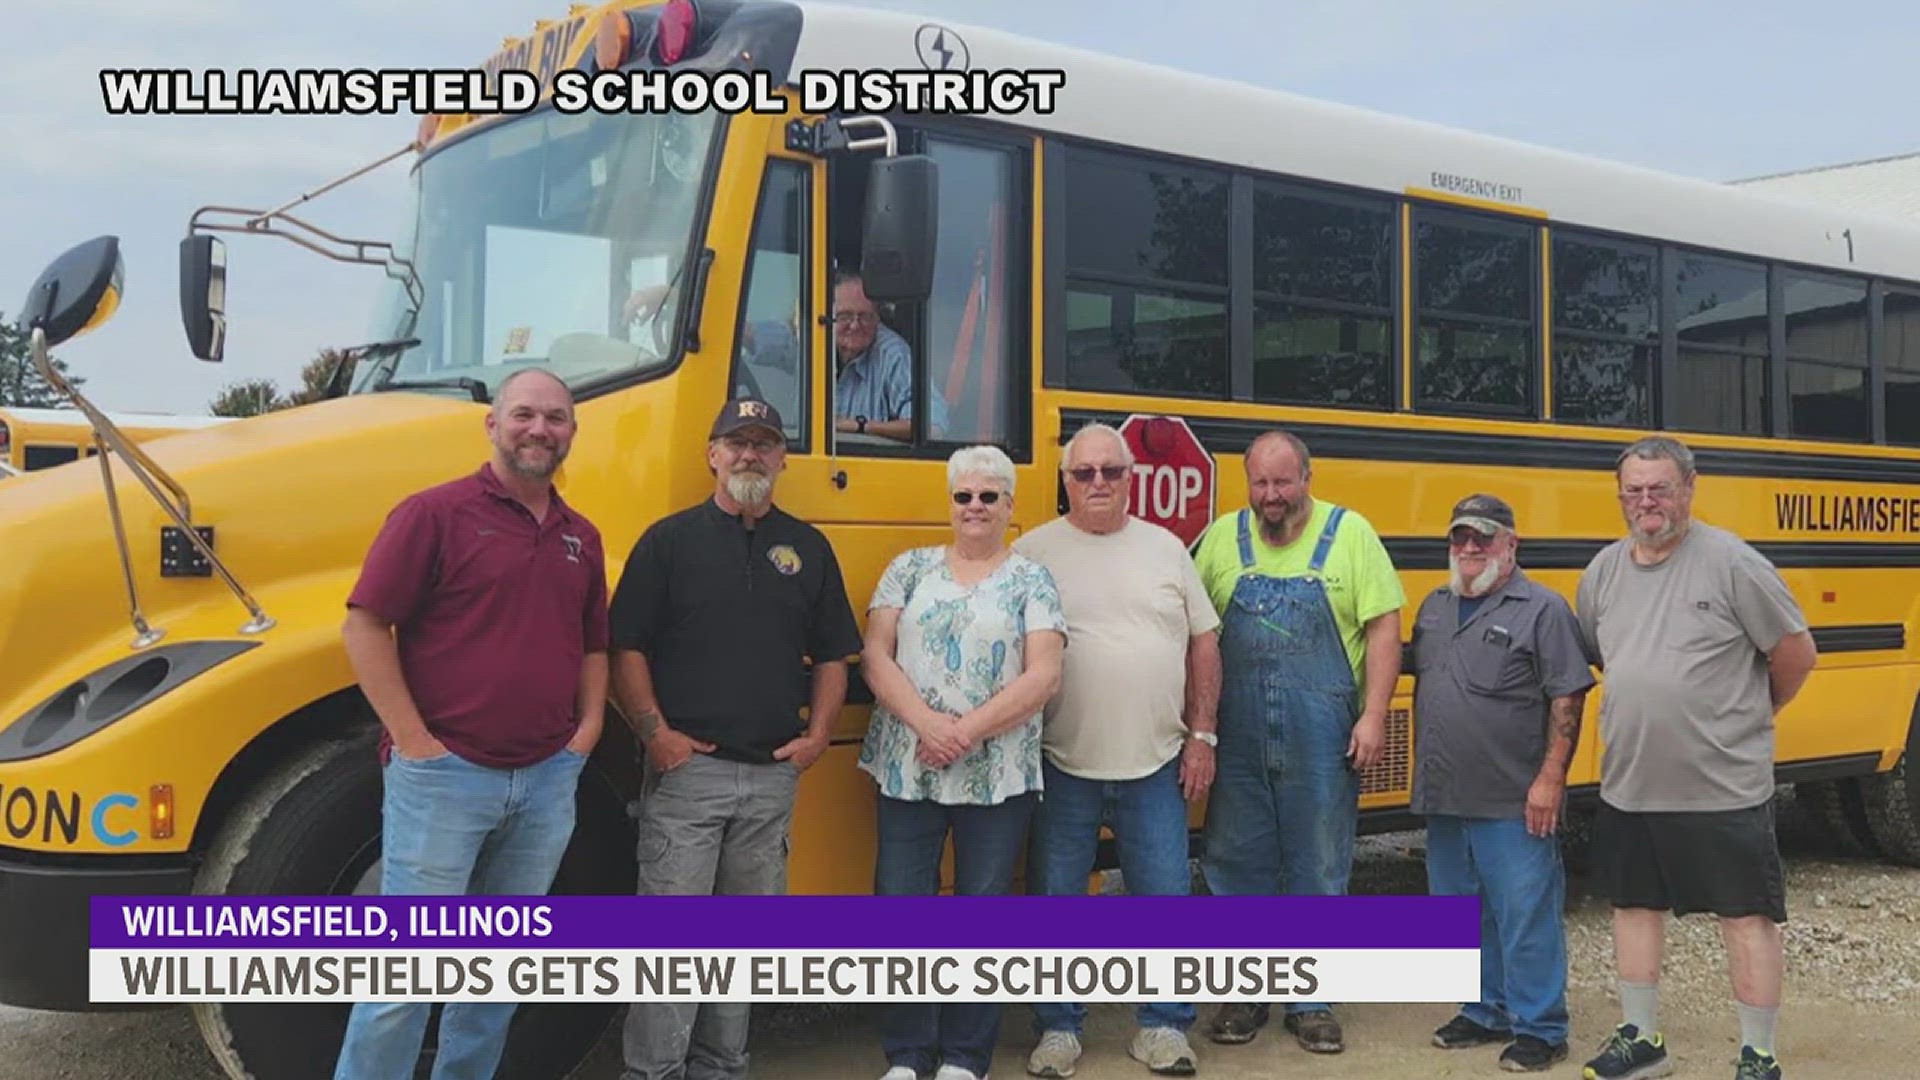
(261, 220)
(337, 248)
(145, 470)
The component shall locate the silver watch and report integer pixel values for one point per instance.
(1207, 737)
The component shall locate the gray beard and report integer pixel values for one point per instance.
(1481, 582)
(749, 489)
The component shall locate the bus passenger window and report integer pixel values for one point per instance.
(770, 356)
(1901, 347)
(1476, 345)
(1720, 375)
(1146, 290)
(1606, 330)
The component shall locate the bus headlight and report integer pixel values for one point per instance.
(115, 691)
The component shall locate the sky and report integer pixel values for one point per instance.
(1714, 89)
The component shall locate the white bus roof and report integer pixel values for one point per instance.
(120, 419)
(1153, 108)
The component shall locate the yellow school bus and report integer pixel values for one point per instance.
(1435, 313)
(32, 439)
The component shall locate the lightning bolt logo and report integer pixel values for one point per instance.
(940, 49)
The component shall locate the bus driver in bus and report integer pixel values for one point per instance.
(873, 390)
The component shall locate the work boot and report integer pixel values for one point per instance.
(1316, 1031)
(1238, 1022)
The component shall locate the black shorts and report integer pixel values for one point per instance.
(1724, 862)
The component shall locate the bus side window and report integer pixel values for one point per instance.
(964, 339)
(770, 354)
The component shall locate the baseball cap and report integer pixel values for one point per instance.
(1484, 514)
(745, 413)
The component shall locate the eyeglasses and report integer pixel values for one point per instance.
(1113, 474)
(855, 318)
(1464, 537)
(987, 498)
(1657, 492)
(764, 446)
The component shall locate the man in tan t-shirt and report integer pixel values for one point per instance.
(1128, 741)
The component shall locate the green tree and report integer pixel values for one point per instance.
(251, 397)
(20, 383)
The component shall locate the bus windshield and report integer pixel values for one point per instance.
(552, 241)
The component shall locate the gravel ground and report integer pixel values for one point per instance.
(1853, 998)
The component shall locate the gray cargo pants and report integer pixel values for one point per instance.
(708, 828)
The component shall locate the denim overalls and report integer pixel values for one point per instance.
(1286, 800)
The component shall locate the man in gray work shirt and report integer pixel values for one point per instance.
(1500, 677)
(1700, 645)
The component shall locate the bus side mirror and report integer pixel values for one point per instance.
(203, 295)
(77, 292)
(897, 235)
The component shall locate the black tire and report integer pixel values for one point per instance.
(1840, 809)
(1892, 802)
(312, 827)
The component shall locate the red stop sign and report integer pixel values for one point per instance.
(1173, 475)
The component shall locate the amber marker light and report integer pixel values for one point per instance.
(160, 798)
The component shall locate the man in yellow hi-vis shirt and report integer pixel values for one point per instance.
(1310, 649)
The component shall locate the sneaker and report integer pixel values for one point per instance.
(1460, 1033)
(1316, 1031)
(1163, 1050)
(955, 1072)
(1056, 1055)
(900, 1072)
(1530, 1053)
(1756, 1065)
(1238, 1022)
(1628, 1055)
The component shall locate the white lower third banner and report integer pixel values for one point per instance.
(1331, 975)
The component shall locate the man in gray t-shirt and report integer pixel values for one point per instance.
(1700, 644)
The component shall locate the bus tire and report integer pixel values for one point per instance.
(312, 827)
(1839, 811)
(1892, 802)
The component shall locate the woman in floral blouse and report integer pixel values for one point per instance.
(962, 652)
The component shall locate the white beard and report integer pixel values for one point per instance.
(1481, 582)
(749, 489)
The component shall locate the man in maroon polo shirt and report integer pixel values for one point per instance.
(478, 632)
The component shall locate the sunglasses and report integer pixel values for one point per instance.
(1109, 473)
(987, 498)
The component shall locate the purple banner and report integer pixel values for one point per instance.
(1072, 923)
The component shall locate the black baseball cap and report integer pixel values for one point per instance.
(1484, 514)
(744, 413)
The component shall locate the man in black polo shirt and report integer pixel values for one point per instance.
(715, 616)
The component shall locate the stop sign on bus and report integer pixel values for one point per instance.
(1173, 475)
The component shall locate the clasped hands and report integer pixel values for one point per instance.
(944, 738)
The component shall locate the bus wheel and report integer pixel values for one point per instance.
(1892, 802)
(1838, 811)
(312, 827)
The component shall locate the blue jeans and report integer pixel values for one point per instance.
(987, 841)
(451, 827)
(1522, 888)
(1149, 821)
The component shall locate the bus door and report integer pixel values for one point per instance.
(965, 351)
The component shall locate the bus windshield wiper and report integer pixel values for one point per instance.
(473, 386)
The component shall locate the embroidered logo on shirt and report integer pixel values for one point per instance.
(573, 547)
(784, 559)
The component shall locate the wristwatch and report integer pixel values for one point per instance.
(860, 424)
(1207, 737)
